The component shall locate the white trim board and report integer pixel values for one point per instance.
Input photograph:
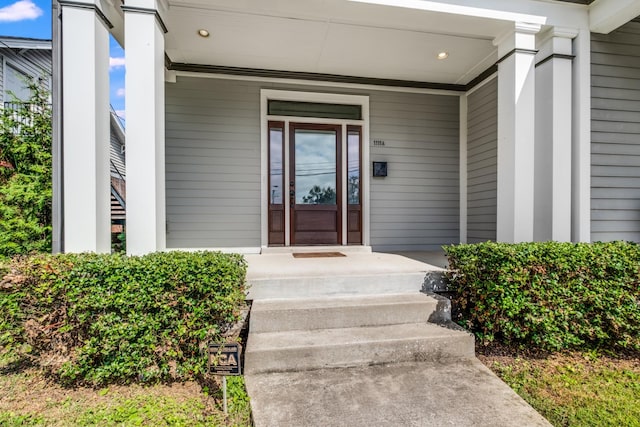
(333, 85)
(481, 84)
(300, 96)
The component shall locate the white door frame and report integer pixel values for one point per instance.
(329, 98)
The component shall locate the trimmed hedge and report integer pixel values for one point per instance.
(96, 319)
(549, 296)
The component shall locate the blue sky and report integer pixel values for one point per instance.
(32, 18)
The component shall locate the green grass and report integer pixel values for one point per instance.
(576, 390)
(29, 399)
(144, 410)
(11, 419)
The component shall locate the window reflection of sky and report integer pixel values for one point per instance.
(315, 156)
(316, 160)
(275, 160)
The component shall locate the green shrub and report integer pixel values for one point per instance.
(97, 319)
(549, 296)
(25, 175)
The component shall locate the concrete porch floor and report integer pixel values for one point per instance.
(285, 265)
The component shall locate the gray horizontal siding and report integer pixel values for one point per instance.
(212, 163)
(416, 207)
(35, 63)
(615, 135)
(482, 166)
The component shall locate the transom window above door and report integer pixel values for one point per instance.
(315, 109)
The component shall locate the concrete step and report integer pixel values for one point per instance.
(343, 347)
(341, 285)
(346, 312)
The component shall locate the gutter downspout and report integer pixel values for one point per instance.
(57, 214)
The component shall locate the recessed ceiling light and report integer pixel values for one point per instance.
(203, 33)
(443, 55)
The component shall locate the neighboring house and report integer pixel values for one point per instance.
(22, 59)
(394, 124)
(118, 177)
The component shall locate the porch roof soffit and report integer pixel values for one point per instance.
(608, 15)
(379, 39)
(332, 37)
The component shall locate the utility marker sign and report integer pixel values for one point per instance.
(224, 359)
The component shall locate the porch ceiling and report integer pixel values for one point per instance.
(334, 37)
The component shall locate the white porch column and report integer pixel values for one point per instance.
(581, 155)
(144, 108)
(85, 91)
(553, 135)
(516, 113)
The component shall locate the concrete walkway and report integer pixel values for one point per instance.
(354, 341)
(464, 394)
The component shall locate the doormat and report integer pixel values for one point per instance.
(317, 254)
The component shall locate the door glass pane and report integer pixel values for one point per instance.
(353, 167)
(276, 166)
(315, 158)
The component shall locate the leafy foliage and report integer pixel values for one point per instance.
(320, 196)
(549, 296)
(25, 175)
(96, 319)
(353, 189)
